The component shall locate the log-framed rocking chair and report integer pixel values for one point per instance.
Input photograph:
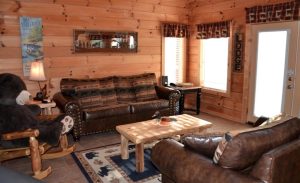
(37, 151)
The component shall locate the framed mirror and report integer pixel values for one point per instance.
(104, 41)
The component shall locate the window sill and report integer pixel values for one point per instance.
(215, 92)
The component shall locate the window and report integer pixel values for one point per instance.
(174, 59)
(214, 63)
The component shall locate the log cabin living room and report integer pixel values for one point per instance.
(172, 91)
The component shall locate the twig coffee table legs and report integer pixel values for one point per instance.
(139, 153)
(139, 157)
(124, 147)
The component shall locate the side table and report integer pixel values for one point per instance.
(46, 107)
(187, 90)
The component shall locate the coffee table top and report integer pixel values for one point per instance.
(149, 130)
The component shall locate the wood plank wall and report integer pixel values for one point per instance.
(60, 17)
(203, 11)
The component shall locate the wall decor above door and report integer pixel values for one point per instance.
(104, 41)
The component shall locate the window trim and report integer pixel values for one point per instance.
(184, 57)
(226, 93)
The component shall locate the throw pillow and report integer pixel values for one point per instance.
(202, 144)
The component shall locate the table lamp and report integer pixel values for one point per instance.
(37, 74)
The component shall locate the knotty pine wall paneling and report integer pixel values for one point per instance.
(233, 107)
(60, 17)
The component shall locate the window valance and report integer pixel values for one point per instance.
(175, 30)
(287, 11)
(213, 30)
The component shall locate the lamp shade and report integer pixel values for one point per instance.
(37, 71)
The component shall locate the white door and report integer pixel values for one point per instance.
(273, 70)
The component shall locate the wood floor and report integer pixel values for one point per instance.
(65, 169)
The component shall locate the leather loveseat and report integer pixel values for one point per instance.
(269, 154)
(101, 104)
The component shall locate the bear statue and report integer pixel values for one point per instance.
(16, 115)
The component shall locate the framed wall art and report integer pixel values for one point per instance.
(238, 53)
(31, 41)
(104, 41)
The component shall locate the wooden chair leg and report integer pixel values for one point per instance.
(36, 160)
(64, 149)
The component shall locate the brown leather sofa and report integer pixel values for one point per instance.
(269, 154)
(101, 104)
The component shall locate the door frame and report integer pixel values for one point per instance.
(250, 42)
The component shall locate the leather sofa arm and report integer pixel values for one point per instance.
(169, 94)
(72, 108)
(164, 92)
(182, 165)
(62, 102)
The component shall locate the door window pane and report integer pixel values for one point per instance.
(270, 68)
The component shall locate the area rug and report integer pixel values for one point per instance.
(105, 165)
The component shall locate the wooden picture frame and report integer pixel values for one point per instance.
(104, 41)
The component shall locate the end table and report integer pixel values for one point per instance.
(46, 107)
(188, 90)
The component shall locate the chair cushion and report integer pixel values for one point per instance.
(124, 89)
(240, 149)
(144, 87)
(105, 111)
(149, 105)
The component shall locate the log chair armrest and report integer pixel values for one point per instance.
(21, 134)
(169, 94)
(182, 165)
(71, 107)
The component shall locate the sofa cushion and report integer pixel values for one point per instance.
(108, 92)
(124, 89)
(240, 149)
(144, 87)
(149, 105)
(71, 87)
(87, 89)
(105, 111)
(90, 101)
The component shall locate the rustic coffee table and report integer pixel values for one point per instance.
(147, 131)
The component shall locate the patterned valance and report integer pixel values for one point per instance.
(273, 13)
(213, 30)
(175, 30)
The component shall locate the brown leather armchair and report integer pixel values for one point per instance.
(267, 155)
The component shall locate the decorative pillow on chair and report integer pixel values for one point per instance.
(202, 144)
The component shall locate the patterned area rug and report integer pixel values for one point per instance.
(105, 165)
